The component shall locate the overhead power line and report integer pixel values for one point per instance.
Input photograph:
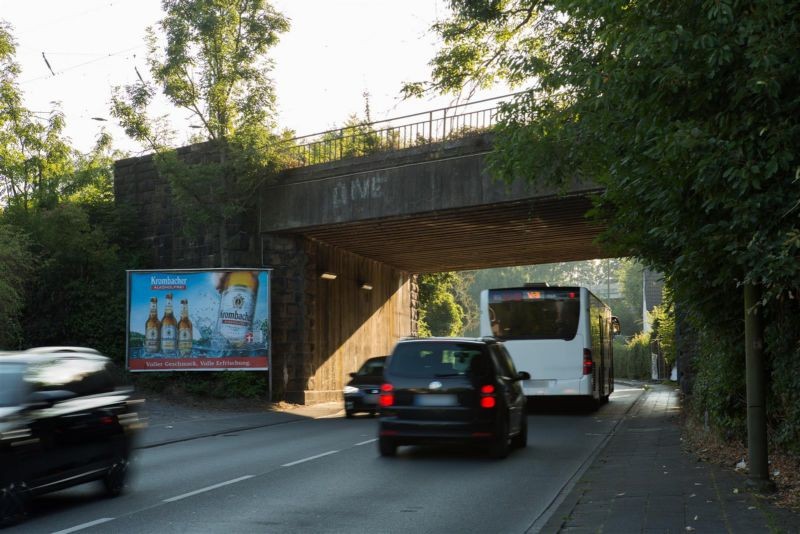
(48, 64)
(79, 65)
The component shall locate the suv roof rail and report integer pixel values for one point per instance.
(50, 350)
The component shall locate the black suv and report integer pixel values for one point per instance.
(65, 419)
(361, 392)
(452, 389)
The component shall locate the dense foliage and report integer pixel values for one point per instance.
(16, 266)
(440, 313)
(64, 245)
(686, 114)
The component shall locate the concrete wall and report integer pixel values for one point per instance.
(324, 329)
(139, 188)
(443, 176)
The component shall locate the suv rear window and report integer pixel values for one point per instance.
(439, 359)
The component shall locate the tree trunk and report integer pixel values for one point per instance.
(756, 391)
(223, 243)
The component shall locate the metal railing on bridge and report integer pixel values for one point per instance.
(419, 129)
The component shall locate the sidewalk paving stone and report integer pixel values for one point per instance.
(647, 483)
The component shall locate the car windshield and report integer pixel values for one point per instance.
(439, 359)
(12, 384)
(371, 368)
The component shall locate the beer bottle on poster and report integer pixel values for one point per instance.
(169, 330)
(185, 331)
(152, 329)
(236, 307)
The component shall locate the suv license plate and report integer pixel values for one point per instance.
(436, 400)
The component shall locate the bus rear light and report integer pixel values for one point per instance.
(588, 364)
(387, 396)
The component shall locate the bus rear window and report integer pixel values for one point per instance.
(544, 315)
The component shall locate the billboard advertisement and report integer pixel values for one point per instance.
(198, 320)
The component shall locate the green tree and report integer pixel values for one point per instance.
(214, 65)
(439, 312)
(684, 113)
(64, 245)
(35, 158)
(631, 286)
(663, 320)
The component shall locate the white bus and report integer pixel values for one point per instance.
(562, 336)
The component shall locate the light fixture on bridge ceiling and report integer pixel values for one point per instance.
(366, 286)
(327, 275)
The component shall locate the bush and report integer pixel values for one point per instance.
(783, 401)
(632, 358)
(217, 385)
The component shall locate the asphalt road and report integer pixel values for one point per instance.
(325, 475)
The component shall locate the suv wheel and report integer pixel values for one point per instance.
(521, 440)
(387, 446)
(114, 479)
(500, 444)
(13, 503)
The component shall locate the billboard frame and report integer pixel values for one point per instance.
(129, 274)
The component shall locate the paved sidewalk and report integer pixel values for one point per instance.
(167, 423)
(643, 482)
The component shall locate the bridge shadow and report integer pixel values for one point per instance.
(561, 406)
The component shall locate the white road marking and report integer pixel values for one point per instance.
(209, 488)
(85, 525)
(331, 416)
(373, 440)
(290, 464)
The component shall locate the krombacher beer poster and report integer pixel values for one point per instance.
(198, 320)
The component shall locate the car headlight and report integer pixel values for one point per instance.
(350, 389)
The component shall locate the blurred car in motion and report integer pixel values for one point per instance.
(452, 390)
(362, 391)
(66, 418)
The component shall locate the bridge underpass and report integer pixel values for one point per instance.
(536, 231)
(374, 222)
(380, 220)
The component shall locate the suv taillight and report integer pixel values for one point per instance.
(588, 365)
(387, 395)
(488, 399)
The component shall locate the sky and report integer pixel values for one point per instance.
(335, 51)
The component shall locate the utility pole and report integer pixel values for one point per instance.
(756, 391)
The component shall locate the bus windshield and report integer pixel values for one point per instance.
(534, 313)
